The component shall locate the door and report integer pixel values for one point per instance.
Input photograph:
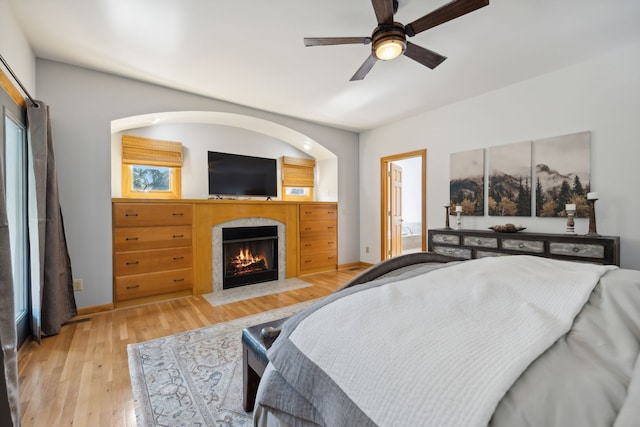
(395, 211)
(401, 174)
(13, 131)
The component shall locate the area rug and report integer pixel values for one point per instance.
(253, 291)
(195, 378)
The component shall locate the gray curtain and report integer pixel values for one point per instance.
(57, 300)
(9, 402)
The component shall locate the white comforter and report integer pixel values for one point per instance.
(490, 319)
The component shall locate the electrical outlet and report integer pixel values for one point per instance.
(366, 249)
(77, 284)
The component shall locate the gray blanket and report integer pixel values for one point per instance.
(590, 377)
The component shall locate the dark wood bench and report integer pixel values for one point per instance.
(256, 340)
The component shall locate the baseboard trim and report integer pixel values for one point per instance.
(354, 265)
(85, 311)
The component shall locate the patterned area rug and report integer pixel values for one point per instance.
(195, 378)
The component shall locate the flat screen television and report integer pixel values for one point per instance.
(238, 175)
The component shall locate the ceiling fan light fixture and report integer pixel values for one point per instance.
(390, 49)
(388, 41)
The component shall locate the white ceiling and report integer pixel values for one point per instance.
(251, 52)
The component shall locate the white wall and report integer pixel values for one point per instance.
(15, 49)
(601, 95)
(83, 103)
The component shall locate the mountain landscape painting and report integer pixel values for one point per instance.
(563, 173)
(510, 180)
(466, 183)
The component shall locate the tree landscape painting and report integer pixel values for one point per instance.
(466, 183)
(510, 180)
(563, 174)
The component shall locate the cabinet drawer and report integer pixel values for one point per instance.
(523, 245)
(318, 259)
(446, 238)
(577, 249)
(484, 242)
(486, 254)
(139, 238)
(311, 228)
(318, 212)
(138, 262)
(143, 285)
(455, 252)
(150, 215)
(317, 244)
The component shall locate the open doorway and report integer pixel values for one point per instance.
(403, 208)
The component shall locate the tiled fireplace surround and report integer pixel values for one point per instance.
(217, 251)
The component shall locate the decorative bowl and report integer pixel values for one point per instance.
(507, 228)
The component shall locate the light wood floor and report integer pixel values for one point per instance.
(81, 376)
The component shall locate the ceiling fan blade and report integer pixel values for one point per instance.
(424, 56)
(364, 68)
(449, 11)
(329, 41)
(384, 11)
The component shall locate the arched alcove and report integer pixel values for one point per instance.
(154, 124)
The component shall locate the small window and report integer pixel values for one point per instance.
(151, 168)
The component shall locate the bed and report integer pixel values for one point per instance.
(429, 340)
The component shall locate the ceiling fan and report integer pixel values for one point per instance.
(389, 38)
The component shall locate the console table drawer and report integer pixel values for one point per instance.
(577, 249)
(523, 245)
(454, 252)
(446, 238)
(149, 215)
(484, 242)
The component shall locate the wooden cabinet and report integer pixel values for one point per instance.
(318, 237)
(478, 244)
(152, 251)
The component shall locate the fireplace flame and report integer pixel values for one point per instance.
(245, 260)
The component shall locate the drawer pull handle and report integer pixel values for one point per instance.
(445, 239)
(178, 280)
(131, 214)
(177, 214)
(479, 241)
(176, 258)
(133, 287)
(133, 262)
(130, 238)
(575, 249)
(521, 245)
(178, 236)
(330, 227)
(307, 228)
(307, 212)
(330, 243)
(330, 257)
(306, 245)
(307, 261)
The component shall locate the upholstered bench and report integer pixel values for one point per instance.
(256, 340)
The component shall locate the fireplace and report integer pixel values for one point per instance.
(249, 255)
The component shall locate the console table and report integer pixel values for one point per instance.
(470, 244)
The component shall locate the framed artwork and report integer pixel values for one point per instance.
(510, 180)
(563, 173)
(466, 183)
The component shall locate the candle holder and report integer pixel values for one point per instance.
(570, 223)
(592, 218)
(458, 220)
(446, 210)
